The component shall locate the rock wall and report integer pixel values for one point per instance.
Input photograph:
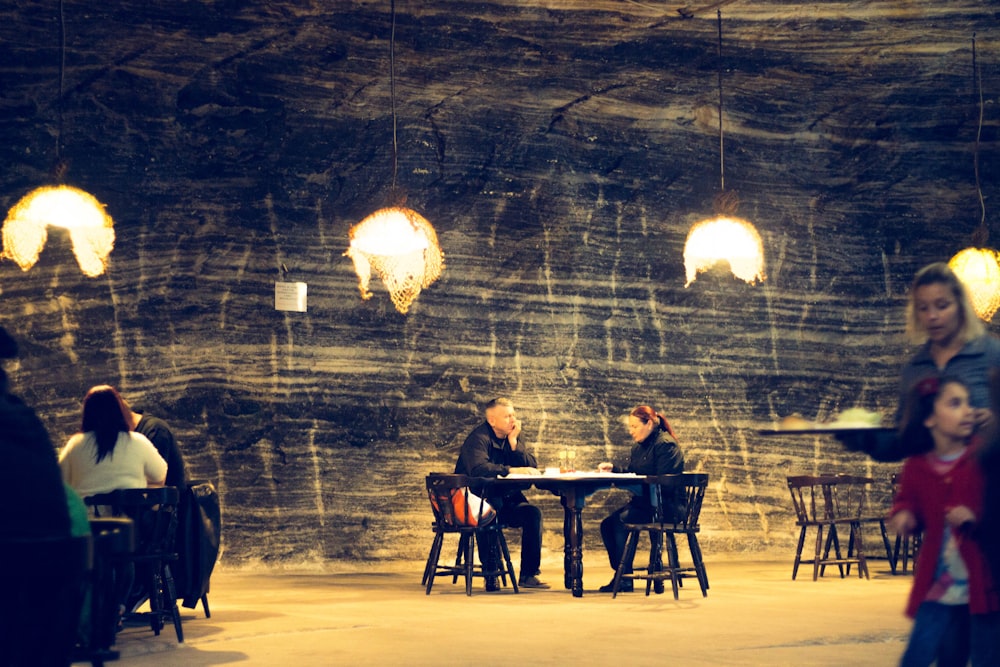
(562, 150)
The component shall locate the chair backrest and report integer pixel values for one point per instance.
(154, 511)
(821, 498)
(677, 499)
(454, 503)
(852, 498)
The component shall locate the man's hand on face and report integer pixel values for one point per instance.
(514, 432)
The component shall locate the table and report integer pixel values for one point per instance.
(573, 490)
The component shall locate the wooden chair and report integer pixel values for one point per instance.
(154, 511)
(43, 580)
(826, 503)
(874, 517)
(906, 547)
(677, 501)
(449, 496)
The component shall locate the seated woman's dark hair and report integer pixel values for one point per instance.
(104, 414)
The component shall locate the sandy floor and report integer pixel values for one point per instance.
(754, 615)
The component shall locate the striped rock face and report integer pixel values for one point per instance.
(562, 150)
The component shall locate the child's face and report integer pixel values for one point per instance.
(953, 417)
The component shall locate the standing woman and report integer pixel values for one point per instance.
(107, 455)
(953, 341)
(656, 453)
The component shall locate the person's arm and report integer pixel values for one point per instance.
(522, 458)
(883, 446)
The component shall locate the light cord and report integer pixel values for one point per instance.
(62, 74)
(722, 158)
(392, 92)
(977, 76)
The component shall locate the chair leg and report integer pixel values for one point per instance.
(833, 539)
(850, 548)
(432, 560)
(673, 563)
(204, 605)
(506, 559)
(901, 544)
(859, 540)
(699, 563)
(628, 555)
(470, 547)
(175, 613)
(887, 545)
(655, 562)
(460, 555)
(155, 599)
(798, 552)
(819, 548)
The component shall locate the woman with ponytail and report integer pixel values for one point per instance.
(656, 452)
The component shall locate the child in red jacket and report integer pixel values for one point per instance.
(953, 602)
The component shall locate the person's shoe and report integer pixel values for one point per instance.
(625, 587)
(492, 584)
(658, 587)
(531, 582)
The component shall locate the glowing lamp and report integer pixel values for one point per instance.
(400, 246)
(90, 228)
(724, 239)
(979, 271)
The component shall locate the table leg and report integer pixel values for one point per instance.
(573, 535)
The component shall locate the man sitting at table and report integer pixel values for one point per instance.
(495, 449)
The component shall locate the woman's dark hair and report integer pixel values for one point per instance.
(104, 414)
(646, 414)
(919, 406)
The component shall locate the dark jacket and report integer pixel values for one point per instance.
(31, 486)
(163, 439)
(483, 454)
(659, 454)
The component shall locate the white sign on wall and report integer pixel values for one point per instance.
(290, 296)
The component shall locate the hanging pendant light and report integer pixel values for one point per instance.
(91, 229)
(979, 271)
(978, 267)
(724, 238)
(396, 243)
(401, 247)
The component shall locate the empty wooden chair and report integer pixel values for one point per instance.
(154, 511)
(677, 501)
(830, 504)
(870, 515)
(456, 502)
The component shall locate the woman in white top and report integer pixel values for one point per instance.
(107, 455)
